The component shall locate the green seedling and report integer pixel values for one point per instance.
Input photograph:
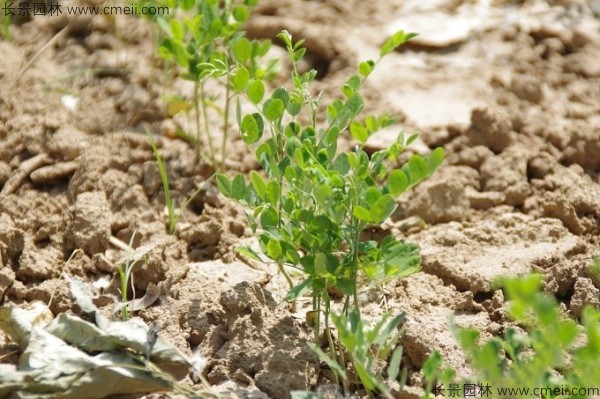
(171, 211)
(368, 348)
(125, 276)
(207, 42)
(310, 210)
(548, 351)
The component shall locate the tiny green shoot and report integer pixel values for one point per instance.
(171, 212)
(125, 275)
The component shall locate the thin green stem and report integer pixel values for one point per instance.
(317, 299)
(225, 124)
(289, 280)
(354, 249)
(337, 353)
(211, 148)
(197, 115)
(123, 276)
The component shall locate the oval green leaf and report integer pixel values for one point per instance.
(256, 90)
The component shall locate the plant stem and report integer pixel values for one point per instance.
(225, 124)
(337, 354)
(318, 323)
(290, 282)
(355, 266)
(197, 116)
(199, 100)
(124, 310)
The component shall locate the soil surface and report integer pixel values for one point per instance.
(510, 89)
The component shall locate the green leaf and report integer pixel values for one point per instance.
(397, 182)
(177, 30)
(274, 250)
(366, 377)
(282, 94)
(351, 86)
(400, 259)
(273, 192)
(435, 159)
(322, 194)
(224, 185)
(240, 13)
(294, 107)
(299, 157)
(239, 81)
(362, 213)
(372, 195)
(333, 365)
(418, 169)
(366, 67)
(269, 218)
(238, 187)
(345, 285)
(249, 253)
(298, 290)
(393, 370)
(259, 184)
(256, 90)
(252, 128)
(216, 28)
(242, 49)
(320, 264)
(286, 37)
(383, 208)
(355, 104)
(395, 41)
(273, 109)
(341, 164)
(411, 139)
(359, 132)
(261, 48)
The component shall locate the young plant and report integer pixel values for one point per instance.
(171, 211)
(550, 351)
(206, 40)
(368, 348)
(316, 201)
(125, 273)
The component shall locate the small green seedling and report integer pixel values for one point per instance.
(548, 351)
(316, 201)
(205, 39)
(171, 211)
(125, 273)
(368, 348)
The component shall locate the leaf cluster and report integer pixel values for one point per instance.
(316, 200)
(547, 349)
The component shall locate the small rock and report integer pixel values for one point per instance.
(484, 200)
(50, 173)
(585, 293)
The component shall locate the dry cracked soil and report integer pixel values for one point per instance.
(511, 90)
